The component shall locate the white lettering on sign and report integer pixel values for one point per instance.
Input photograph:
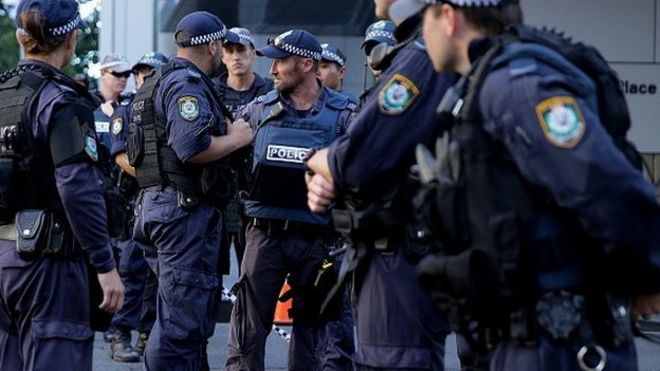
(286, 154)
(102, 126)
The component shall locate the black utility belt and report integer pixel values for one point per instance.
(39, 233)
(563, 314)
(288, 225)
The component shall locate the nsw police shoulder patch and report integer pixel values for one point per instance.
(91, 148)
(397, 95)
(561, 120)
(117, 125)
(188, 107)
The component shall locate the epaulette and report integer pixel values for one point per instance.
(269, 98)
(337, 100)
(193, 76)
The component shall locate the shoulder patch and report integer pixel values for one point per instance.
(561, 120)
(397, 95)
(188, 107)
(117, 125)
(90, 147)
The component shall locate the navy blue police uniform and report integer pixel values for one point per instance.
(335, 342)
(235, 101)
(569, 306)
(366, 165)
(178, 222)
(380, 32)
(283, 236)
(139, 310)
(44, 290)
(334, 55)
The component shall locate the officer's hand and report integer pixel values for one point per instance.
(646, 305)
(320, 192)
(113, 291)
(242, 131)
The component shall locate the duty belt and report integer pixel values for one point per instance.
(275, 225)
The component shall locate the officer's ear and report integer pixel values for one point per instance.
(214, 47)
(342, 72)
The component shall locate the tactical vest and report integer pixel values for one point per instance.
(157, 164)
(233, 101)
(507, 241)
(281, 143)
(27, 179)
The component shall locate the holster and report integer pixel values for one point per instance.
(33, 229)
(40, 233)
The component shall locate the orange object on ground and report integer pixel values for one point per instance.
(282, 317)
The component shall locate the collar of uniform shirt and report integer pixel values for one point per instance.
(316, 107)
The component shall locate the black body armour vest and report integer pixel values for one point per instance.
(501, 236)
(27, 179)
(156, 163)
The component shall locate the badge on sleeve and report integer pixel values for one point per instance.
(188, 108)
(561, 120)
(90, 147)
(117, 125)
(397, 95)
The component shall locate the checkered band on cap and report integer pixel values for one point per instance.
(245, 37)
(152, 61)
(330, 56)
(205, 39)
(468, 3)
(295, 50)
(65, 29)
(380, 33)
(61, 30)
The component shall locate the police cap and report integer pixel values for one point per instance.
(61, 16)
(403, 9)
(292, 42)
(243, 37)
(198, 28)
(332, 54)
(151, 60)
(378, 33)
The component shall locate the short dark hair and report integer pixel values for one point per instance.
(493, 20)
(36, 40)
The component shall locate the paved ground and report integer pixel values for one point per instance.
(276, 349)
(276, 353)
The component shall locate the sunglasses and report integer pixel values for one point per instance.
(119, 75)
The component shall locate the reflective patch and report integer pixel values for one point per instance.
(294, 155)
(102, 126)
(561, 120)
(188, 108)
(397, 95)
(90, 147)
(117, 125)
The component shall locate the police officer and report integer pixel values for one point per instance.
(51, 184)
(559, 288)
(283, 236)
(139, 310)
(332, 70)
(366, 167)
(379, 32)
(236, 88)
(115, 72)
(179, 139)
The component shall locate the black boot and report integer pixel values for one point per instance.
(121, 349)
(141, 343)
(110, 334)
